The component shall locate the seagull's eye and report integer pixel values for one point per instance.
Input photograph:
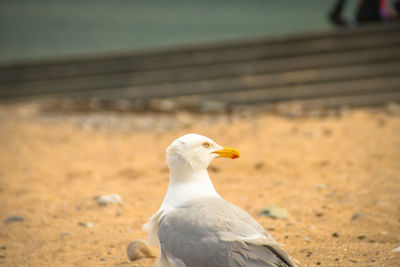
(206, 144)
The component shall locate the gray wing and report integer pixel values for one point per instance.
(211, 232)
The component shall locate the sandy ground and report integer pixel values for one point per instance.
(338, 176)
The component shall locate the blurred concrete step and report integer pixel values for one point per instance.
(332, 64)
(240, 51)
(191, 80)
(372, 91)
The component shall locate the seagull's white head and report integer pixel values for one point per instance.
(195, 152)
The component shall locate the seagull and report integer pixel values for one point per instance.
(196, 227)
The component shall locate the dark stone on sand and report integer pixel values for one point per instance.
(335, 234)
(213, 169)
(274, 212)
(259, 165)
(356, 216)
(14, 218)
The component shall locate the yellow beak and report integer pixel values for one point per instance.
(228, 152)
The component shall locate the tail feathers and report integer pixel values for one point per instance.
(260, 255)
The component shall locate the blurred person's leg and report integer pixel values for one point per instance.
(336, 15)
(368, 11)
(397, 7)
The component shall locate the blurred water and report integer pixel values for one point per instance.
(33, 29)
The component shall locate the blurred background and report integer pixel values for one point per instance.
(199, 56)
(48, 28)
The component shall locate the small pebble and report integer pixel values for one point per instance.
(381, 122)
(274, 212)
(356, 216)
(361, 237)
(109, 199)
(393, 108)
(396, 250)
(384, 204)
(327, 131)
(335, 234)
(65, 234)
(14, 218)
(138, 249)
(259, 165)
(323, 163)
(213, 169)
(320, 186)
(307, 239)
(86, 224)
(213, 106)
(344, 110)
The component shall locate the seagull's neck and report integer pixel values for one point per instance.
(187, 185)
